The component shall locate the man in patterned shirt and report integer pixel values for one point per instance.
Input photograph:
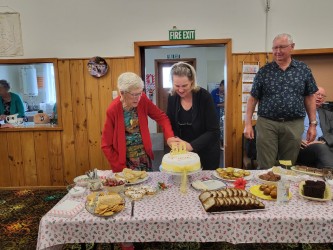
(284, 89)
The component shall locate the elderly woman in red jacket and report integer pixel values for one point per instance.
(126, 140)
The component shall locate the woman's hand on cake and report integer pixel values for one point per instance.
(173, 140)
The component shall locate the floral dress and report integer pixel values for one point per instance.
(136, 157)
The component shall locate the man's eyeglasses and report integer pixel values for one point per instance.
(320, 95)
(281, 47)
(134, 94)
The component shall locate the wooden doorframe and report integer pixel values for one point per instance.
(229, 126)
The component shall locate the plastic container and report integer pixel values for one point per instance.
(283, 190)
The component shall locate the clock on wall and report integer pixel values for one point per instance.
(97, 66)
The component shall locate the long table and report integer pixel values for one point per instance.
(171, 216)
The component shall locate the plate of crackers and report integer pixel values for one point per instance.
(104, 204)
(232, 174)
(132, 177)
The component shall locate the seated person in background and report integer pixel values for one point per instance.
(10, 103)
(318, 153)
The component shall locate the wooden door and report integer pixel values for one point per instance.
(164, 83)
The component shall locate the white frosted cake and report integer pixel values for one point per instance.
(179, 160)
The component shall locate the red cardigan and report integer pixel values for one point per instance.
(113, 136)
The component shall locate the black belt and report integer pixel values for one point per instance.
(288, 119)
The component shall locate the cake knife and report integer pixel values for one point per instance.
(132, 210)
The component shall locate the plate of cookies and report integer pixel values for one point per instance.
(104, 204)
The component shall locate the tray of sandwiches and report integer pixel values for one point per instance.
(308, 170)
(132, 177)
(228, 200)
(104, 204)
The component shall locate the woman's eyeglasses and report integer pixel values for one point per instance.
(134, 94)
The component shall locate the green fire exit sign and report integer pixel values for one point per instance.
(181, 34)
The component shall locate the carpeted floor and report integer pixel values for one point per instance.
(21, 211)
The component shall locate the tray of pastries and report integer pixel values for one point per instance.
(132, 177)
(308, 170)
(229, 200)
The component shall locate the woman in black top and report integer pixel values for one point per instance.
(192, 115)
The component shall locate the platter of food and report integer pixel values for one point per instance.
(139, 192)
(265, 192)
(232, 174)
(308, 170)
(315, 190)
(81, 180)
(229, 200)
(208, 185)
(269, 178)
(132, 177)
(104, 204)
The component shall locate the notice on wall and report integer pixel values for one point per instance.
(246, 87)
(10, 35)
(249, 70)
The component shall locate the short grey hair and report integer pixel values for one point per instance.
(283, 35)
(5, 84)
(184, 69)
(128, 81)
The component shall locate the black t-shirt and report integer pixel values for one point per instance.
(185, 124)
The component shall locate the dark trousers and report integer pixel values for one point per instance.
(317, 155)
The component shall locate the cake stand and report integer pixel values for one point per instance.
(176, 178)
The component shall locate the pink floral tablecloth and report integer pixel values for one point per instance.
(174, 217)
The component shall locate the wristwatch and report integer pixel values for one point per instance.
(314, 122)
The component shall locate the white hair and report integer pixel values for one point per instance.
(128, 81)
(285, 35)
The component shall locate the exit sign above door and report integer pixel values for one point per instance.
(181, 34)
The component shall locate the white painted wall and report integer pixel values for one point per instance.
(85, 28)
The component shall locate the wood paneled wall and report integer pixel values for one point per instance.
(236, 116)
(52, 158)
